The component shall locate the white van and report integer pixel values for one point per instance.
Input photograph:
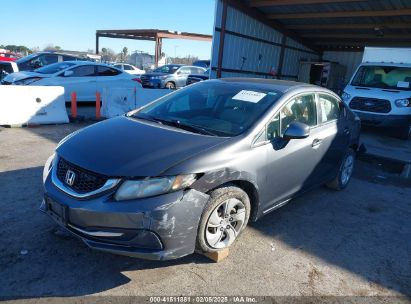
(380, 90)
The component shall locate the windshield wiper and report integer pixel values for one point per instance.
(181, 125)
(174, 123)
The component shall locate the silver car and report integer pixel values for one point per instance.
(191, 169)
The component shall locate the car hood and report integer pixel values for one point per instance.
(23, 75)
(127, 147)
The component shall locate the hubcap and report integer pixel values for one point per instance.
(347, 169)
(224, 223)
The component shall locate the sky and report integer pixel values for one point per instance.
(72, 24)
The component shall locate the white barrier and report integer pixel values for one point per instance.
(119, 101)
(32, 105)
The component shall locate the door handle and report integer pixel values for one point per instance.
(316, 142)
(347, 131)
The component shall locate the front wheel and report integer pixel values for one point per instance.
(170, 85)
(345, 172)
(224, 218)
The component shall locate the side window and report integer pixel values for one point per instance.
(106, 71)
(49, 59)
(330, 108)
(118, 66)
(67, 58)
(273, 128)
(185, 71)
(83, 71)
(128, 67)
(301, 109)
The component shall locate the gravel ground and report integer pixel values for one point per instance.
(351, 243)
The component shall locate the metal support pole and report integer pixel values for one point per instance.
(222, 36)
(97, 41)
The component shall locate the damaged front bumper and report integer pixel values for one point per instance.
(157, 228)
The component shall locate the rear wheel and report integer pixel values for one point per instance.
(345, 172)
(224, 218)
(170, 85)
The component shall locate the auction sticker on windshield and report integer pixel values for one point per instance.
(249, 96)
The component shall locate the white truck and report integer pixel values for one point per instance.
(380, 90)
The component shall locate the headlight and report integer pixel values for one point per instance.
(133, 189)
(402, 103)
(47, 167)
(345, 97)
(27, 81)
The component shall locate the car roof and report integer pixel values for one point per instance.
(276, 84)
(86, 62)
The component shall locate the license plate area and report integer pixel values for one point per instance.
(57, 211)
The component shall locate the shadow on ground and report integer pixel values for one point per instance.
(370, 239)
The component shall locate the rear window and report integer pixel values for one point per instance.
(107, 71)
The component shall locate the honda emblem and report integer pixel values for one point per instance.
(70, 177)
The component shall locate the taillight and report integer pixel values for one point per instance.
(137, 79)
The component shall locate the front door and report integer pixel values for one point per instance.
(82, 81)
(294, 165)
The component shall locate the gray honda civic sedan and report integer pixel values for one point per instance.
(188, 171)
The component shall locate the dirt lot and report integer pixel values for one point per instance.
(355, 242)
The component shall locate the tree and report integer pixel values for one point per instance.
(51, 47)
(108, 55)
(124, 54)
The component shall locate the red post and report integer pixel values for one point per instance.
(98, 105)
(74, 104)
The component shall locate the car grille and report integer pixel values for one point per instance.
(145, 80)
(370, 105)
(84, 181)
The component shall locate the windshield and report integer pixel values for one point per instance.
(168, 69)
(26, 58)
(54, 68)
(383, 77)
(216, 108)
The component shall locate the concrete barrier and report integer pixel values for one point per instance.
(21, 105)
(119, 101)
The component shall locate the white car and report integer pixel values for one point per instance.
(83, 77)
(7, 67)
(128, 68)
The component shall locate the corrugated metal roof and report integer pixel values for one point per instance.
(375, 27)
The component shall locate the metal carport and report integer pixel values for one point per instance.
(151, 35)
(254, 37)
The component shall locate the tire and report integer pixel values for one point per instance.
(170, 85)
(217, 231)
(344, 174)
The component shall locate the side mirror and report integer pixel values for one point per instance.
(68, 73)
(297, 130)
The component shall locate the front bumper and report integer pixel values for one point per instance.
(384, 120)
(153, 83)
(157, 228)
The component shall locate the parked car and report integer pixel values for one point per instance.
(7, 67)
(194, 78)
(170, 76)
(190, 169)
(202, 63)
(129, 68)
(83, 77)
(38, 60)
(380, 89)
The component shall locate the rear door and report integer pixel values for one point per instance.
(108, 77)
(333, 133)
(181, 76)
(82, 81)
